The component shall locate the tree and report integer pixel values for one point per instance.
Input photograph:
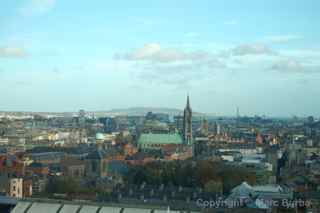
(63, 185)
(213, 186)
(206, 171)
(233, 176)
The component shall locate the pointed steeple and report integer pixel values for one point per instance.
(187, 122)
(188, 102)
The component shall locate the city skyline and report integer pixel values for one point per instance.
(67, 55)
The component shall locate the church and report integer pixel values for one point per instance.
(158, 140)
(187, 123)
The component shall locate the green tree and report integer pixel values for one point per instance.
(213, 186)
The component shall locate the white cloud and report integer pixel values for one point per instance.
(178, 73)
(12, 52)
(252, 49)
(155, 53)
(174, 66)
(37, 7)
(307, 55)
(146, 52)
(288, 65)
(282, 38)
(291, 65)
(170, 65)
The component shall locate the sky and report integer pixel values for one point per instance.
(261, 56)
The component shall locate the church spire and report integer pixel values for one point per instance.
(187, 122)
(188, 102)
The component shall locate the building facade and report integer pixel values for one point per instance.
(16, 187)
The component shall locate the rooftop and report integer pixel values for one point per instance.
(150, 138)
(100, 154)
(52, 206)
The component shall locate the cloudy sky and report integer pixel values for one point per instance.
(263, 56)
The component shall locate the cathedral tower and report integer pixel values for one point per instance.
(187, 123)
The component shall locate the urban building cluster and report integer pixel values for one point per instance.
(159, 163)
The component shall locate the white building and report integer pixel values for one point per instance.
(4, 141)
(16, 187)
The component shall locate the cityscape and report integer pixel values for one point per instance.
(160, 163)
(159, 106)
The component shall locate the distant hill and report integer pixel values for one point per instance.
(143, 111)
(132, 111)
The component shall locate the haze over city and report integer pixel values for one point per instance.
(262, 56)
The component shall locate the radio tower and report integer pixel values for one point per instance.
(238, 113)
(238, 117)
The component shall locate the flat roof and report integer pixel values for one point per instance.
(108, 209)
(21, 207)
(54, 206)
(89, 209)
(134, 210)
(44, 207)
(165, 211)
(67, 208)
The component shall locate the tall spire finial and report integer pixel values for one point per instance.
(188, 102)
(187, 122)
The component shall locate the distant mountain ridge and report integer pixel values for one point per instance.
(144, 110)
(131, 111)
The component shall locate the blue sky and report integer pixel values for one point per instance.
(263, 56)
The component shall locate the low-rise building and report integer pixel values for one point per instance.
(97, 162)
(47, 157)
(72, 167)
